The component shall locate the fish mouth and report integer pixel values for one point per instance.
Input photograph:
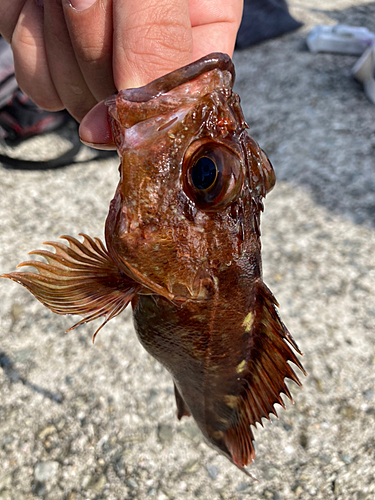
(203, 287)
(150, 287)
(166, 83)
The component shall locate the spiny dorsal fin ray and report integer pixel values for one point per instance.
(263, 380)
(78, 279)
(182, 409)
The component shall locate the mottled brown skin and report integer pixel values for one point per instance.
(186, 256)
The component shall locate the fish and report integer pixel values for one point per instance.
(182, 246)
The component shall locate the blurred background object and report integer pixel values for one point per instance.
(22, 119)
(264, 19)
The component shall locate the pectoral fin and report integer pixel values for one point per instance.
(78, 279)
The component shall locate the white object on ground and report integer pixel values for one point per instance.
(363, 71)
(340, 38)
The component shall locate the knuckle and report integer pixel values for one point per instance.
(169, 27)
(160, 45)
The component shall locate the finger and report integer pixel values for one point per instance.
(219, 37)
(30, 58)
(204, 12)
(64, 69)
(95, 130)
(215, 24)
(150, 39)
(9, 14)
(91, 36)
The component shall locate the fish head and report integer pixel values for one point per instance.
(191, 181)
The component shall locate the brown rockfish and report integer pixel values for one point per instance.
(183, 247)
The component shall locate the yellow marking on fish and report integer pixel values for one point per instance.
(240, 367)
(248, 322)
(230, 401)
(222, 420)
(217, 434)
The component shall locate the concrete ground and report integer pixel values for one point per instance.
(98, 421)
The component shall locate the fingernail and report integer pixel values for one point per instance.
(81, 4)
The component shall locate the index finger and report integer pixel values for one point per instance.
(150, 38)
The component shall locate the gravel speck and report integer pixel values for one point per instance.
(44, 471)
(212, 471)
(165, 433)
(5, 481)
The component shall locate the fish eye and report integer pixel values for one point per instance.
(212, 176)
(204, 173)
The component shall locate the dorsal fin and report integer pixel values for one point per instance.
(78, 279)
(261, 375)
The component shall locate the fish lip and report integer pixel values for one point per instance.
(146, 282)
(156, 289)
(166, 83)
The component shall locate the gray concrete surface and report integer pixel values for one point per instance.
(81, 421)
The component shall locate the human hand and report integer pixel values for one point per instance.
(74, 57)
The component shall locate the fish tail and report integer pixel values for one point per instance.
(262, 374)
(78, 278)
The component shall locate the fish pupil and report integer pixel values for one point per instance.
(204, 173)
